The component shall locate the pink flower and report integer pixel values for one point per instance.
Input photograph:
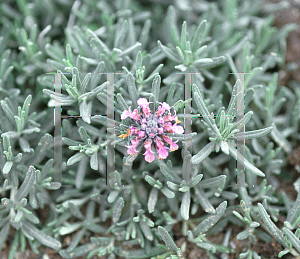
(161, 120)
(166, 106)
(162, 150)
(163, 153)
(147, 144)
(173, 145)
(135, 115)
(135, 141)
(133, 130)
(126, 114)
(141, 134)
(162, 109)
(159, 143)
(168, 117)
(143, 102)
(131, 149)
(168, 126)
(177, 129)
(146, 111)
(151, 130)
(149, 156)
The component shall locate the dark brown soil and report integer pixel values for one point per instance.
(291, 15)
(265, 250)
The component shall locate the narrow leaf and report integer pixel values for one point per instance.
(27, 184)
(94, 161)
(294, 212)
(81, 171)
(204, 202)
(168, 193)
(8, 112)
(167, 239)
(76, 239)
(206, 224)
(185, 205)
(156, 87)
(253, 134)
(168, 52)
(152, 199)
(74, 159)
(132, 89)
(203, 153)
(7, 167)
(24, 145)
(196, 41)
(85, 82)
(118, 206)
(40, 236)
(236, 154)
(271, 226)
(26, 105)
(4, 234)
(83, 134)
(281, 140)
(291, 236)
(122, 102)
(130, 49)
(146, 230)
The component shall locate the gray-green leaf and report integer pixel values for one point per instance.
(167, 239)
(203, 153)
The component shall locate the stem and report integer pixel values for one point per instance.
(140, 87)
(86, 183)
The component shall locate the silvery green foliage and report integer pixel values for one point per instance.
(248, 232)
(142, 202)
(222, 129)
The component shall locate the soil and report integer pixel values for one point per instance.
(291, 15)
(265, 250)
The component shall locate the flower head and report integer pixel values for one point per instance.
(151, 130)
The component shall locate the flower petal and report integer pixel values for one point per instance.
(143, 102)
(131, 150)
(168, 126)
(147, 144)
(146, 111)
(162, 153)
(166, 106)
(149, 156)
(135, 115)
(141, 134)
(168, 117)
(126, 113)
(177, 129)
(135, 141)
(173, 146)
(159, 143)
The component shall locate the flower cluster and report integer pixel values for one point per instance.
(151, 129)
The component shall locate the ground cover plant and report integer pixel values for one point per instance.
(177, 145)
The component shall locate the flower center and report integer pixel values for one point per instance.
(151, 126)
(152, 122)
